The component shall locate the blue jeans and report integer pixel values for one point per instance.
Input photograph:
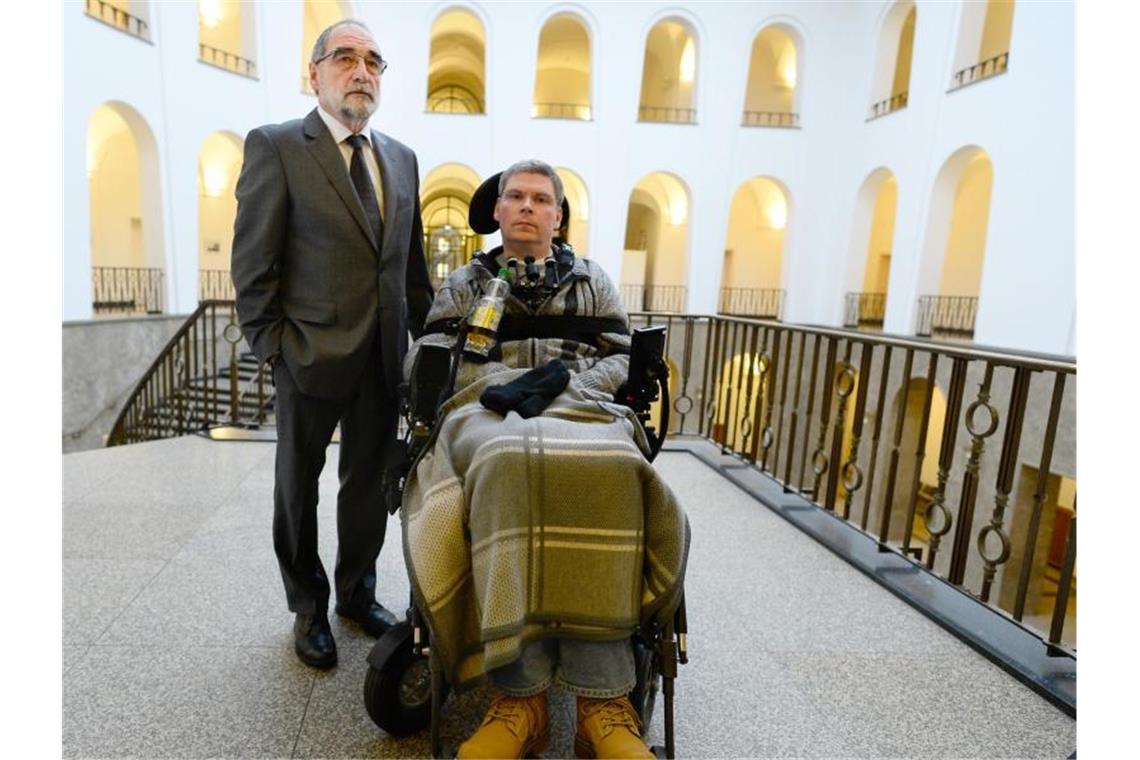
(596, 669)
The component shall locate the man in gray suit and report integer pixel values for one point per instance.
(329, 270)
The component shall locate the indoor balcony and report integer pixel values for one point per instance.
(227, 61)
(864, 311)
(895, 102)
(113, 15)
(990, 67)
(127, 290)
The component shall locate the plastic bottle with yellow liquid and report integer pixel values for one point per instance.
(483, 325)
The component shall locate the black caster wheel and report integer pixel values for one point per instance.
(397, 688)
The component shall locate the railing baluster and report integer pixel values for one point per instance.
(920, 446)
(1039, 493)
(967, 502)
(820, 461)
(773, 440)
(808, 415)
(1061, 605)
(845, 381)
(793, 421)
(1018, 396)
(852, 473)
(946, 460)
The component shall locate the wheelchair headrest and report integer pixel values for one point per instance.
(481, 212)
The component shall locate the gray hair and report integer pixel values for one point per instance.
(323, 38)
(533, 166)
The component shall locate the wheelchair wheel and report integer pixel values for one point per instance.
(397, 694)
(644, 694)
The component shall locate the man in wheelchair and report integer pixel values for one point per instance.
(537, 535)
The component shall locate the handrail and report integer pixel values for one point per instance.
(450, 95)
(189, 364)
(846, 420)
(127, 289)
(752, 302)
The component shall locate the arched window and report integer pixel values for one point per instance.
(773, 75)
(318, 15)
(227, 36)
(219, 164)
(655, 261)
(752, 274)
(127, 257)
(955, 246)
(872, 243)
(445, 197)
(457, 66)
(562, 75)
(576, 232)
(891, 82)
(669, 74)
(983, 41)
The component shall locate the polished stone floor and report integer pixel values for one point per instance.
(177, 642)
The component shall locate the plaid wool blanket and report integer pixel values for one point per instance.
(516, 529)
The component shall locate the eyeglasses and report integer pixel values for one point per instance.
(347, 60)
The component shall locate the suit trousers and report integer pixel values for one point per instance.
(305, 424)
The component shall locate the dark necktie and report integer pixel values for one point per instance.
(364, 190)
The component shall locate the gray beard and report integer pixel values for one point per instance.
(358, 113)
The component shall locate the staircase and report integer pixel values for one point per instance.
(199, 380)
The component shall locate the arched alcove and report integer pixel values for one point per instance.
(127, 255)
(445, 197)
(954, 247)
(227, 36)
(753, 267)
(872, 244)
(562, 71)
(890, 84)
(577, 231)
(983, 41)
(219, 163)
(316, 16)
(655, 261)
(772, 94)
(669, 74)
(457, 64)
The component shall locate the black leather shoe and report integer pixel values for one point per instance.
(313, 640)
(374, 619)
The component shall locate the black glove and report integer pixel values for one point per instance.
(530, 394)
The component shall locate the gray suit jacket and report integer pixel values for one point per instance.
(312, 285)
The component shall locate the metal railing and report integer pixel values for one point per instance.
(990, 67)
(579, 111)
(782, 119)
(118, 18)
(668, 115)
(946, 316)
(653, 297)
(215, 285)
(965, 488)
(864, 309)
(197, 381)
(127, 290)
(453, 99)
(896, 102)
(225, 60)
(752, 302)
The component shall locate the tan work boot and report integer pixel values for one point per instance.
(513, 727)
(608, 728)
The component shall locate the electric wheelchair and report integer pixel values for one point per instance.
(405, 686)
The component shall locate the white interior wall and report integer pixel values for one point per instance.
(1022, 119)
